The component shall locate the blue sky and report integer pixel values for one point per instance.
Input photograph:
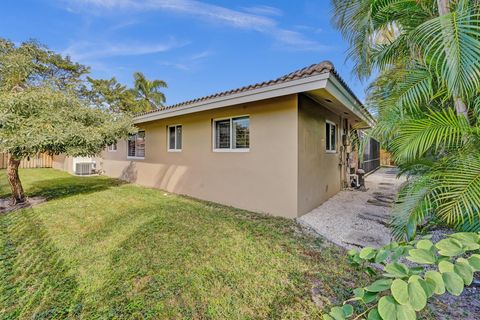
(197, 47)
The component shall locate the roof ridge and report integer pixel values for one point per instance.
(314, 69)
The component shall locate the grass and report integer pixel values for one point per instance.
(101, 249)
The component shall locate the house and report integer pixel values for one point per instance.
(279, 147)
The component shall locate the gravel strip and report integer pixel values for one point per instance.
(354, 218)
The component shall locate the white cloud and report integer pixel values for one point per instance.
(93, 50)
(190, 62)
(258, 18)
(264, 10)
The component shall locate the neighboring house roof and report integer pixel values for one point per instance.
(302, 80)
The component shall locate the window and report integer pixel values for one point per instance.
(331, 136)
(232, 134)
(136, 145)
(175, 138)
(112, 147)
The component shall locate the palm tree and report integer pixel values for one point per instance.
(148, 92)
(426, 95)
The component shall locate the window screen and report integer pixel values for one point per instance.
(222, 134)
(136, 145)
(330, 137)
(175, 137)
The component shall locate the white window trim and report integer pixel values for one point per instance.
(231, 149)
(168, 138)
(336, 133)
(111, 150)
(133, 157)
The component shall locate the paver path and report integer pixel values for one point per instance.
(354, 218)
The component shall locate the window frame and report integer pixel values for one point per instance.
(110, 149)
(168, 138)
(145, 149)
(330, 123)
(231, 149)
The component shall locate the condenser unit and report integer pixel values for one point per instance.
(84, 168)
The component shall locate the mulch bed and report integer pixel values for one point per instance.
(6, 204)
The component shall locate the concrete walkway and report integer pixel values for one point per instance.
(353, 218)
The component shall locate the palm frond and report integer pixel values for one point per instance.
(457, 193)
(437, 129)
(413, 206)
(416, 89)
(452, 47)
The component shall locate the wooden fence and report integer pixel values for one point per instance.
(386, 159)
(40, 161)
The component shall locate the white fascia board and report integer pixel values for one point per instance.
(268, 92)
(335, 88)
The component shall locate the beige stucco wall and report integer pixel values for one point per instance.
(262, 180)
(62, 162)
(319, 172)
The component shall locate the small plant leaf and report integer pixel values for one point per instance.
(424, 244)
(406, 312)
(449, 247)
(453, 283)
(369, 297)
(367, 253)
(327, 317)
(474, 261)
(381, 256)
(387, 308)
(421, 256)
(337, 313)
(379, 285)
(397, 270)
(417, 270)
(399, 291)
(437, 278)
(469, 240)
(445, 266)
(374, 315)
(359, 292)
(464, 270)
(428, 286)
(347, 310)
(416, 295)
(397, 253)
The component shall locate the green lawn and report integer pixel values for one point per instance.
(103, 249)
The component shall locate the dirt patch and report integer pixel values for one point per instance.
(6, 204)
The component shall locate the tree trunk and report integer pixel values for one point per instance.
(18, 196)
(460, 107)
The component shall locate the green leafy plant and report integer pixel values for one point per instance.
(403, 290)
(425, 58)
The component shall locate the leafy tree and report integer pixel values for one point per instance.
(144, 97)
(425, 56)
(148, 92)
(402, 291)
(42, 109)
(112, 95)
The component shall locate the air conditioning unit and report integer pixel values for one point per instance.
(84, 168)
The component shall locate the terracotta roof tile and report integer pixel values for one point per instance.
(314, 69)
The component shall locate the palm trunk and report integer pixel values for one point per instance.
(460, 107)
(18, 195)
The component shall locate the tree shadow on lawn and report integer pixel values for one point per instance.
(201, 262)
(65, 187)
(35, 282)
